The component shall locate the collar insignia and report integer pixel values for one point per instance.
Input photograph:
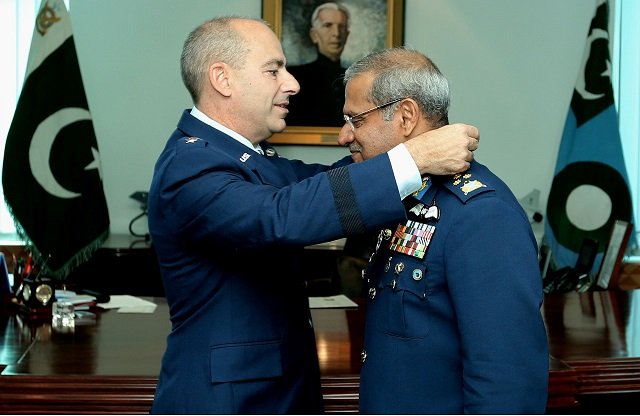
(423, 188)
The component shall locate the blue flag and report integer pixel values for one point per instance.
(590, 189)
(51, 176)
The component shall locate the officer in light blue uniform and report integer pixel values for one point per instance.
(453, 322)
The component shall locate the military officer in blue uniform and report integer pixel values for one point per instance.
(453, 322)
(228, 218)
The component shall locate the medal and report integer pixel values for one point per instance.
(424, 212)
(412, 238)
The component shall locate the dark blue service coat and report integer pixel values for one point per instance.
(226, 223)
(460, 330)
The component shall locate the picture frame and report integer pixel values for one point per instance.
(613, 255)
(391, 34)
(5, 281)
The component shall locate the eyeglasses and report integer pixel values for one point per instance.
(354, 119)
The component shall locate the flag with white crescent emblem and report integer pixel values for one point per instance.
(52, 176)
(590, 189)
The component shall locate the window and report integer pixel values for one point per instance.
(626, 89)
(16, 28)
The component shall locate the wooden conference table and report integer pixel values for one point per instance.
(110, 365)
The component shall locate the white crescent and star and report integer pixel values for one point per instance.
(42, 142)
(581, 86)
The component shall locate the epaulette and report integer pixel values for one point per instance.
(466, 185)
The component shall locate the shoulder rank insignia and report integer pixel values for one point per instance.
(468, 185)
(471, 186)
(190, 140)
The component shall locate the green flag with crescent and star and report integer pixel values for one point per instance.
(52, 176)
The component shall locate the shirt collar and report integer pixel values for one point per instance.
(211, 122)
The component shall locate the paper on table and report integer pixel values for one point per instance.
(129, 304)
(73, 297)
(338, 301)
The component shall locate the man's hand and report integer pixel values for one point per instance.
(446, 150)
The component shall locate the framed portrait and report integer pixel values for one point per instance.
(373, 25)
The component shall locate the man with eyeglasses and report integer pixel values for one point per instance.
(453, 322)
(229, 220)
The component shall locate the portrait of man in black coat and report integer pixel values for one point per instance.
(321, 96)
